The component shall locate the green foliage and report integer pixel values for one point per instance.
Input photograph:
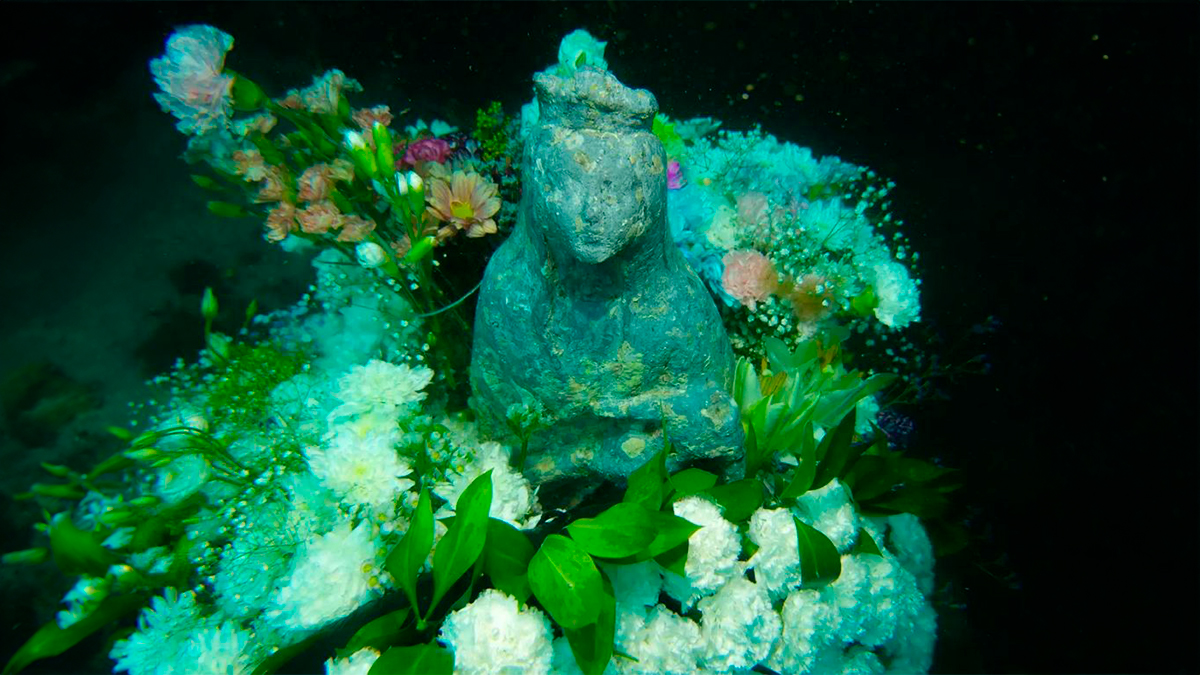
(592, 645)
(404, 563)
(648, 483)
(428, 659)
(664, 129)
(241, 389)
(567, 583)
(50, 640)
(378, 634)
(623, 530)
(464, 541)
(820, 563)
(885, 482)
(506, 560)
(492, 131)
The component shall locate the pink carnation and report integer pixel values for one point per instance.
(194, 89)
(749, 277)
(314, 183)
(674, 175)
(427, 150)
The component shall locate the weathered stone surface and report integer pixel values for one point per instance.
(589, 310)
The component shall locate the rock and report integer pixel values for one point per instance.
(589, 311)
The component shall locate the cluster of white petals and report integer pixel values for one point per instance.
(514, 500)
(193, 89)
(332, 575)
(381, 390)
(712, 552)
(494, 636)
(739, 628)
(362, 468)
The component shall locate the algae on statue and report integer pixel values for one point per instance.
(589, 310)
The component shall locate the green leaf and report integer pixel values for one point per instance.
(820, 563)
(380, 633)
(806, 469)
(76, 551)
(463, 542)
(648, 483)
(592, 645)
(227, 210)
(405, 561)
(624, 529)
(837, 455)
(866, 544)
(50, 640)
(738, 500)
(565, 580)
(675, 559)
(427, 659)
(207, 183)
(746, 390)
(691, 481)
(507, 559)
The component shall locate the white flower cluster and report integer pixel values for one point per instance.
(712, 552)
(174, 638)
(363, 469)
(514, 500)
(494, 636)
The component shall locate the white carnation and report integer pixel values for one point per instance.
(829, 510)
(221, 649)
(776, 563)
(666, 643)
(182, 478)
(380, 389)
(160, 642)
(493, 635)
(739, 627)
(358, 663)
(332, 575)
(899, 301)
(362, 469)
(712, 552)
(514, 500)
(910, 542)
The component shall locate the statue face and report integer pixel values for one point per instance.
(595, 192)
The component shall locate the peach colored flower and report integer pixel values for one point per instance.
(366, 118)
(752, 209)
(319, 218)
(749, 277)
(355, 228)
(281, 222)
(468, 202)
(250, 165)
(341, 170)
(259, 122)
(324, 95)
(811, 298)
(314, 183)
(274, 187)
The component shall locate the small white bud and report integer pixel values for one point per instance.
(371, 255)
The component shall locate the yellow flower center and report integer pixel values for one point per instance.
(461, 210)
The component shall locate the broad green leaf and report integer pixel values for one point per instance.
(427, 659)
(675, 559)
(756, 454)
(592, 645)
(464, 540)
(836, 454)
(506, 559)
(565, 580)
(746, 391)
(405, 562)
(624, 529)
(50, 640)
(380, 633)
(865, 544)
(227, 210)
(836, 405)
(691, 481)
(76, 551)
(207, 183)
(820, 563)
(738, 500)
(872, 477)
(670, 532)
(806, 469)
(648, 483)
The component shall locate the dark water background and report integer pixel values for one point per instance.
(1046, 158)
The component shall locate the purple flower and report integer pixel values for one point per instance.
(674, 175)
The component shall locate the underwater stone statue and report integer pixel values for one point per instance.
(588, 310)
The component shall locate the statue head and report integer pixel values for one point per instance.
(596, 177)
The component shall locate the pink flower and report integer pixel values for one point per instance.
(749, 277)
(355, 228)
(320, 218)
(250, 165)
(752, 209)
(427, 150)
(324, 95)
(314, 183)
(274, 187)
(674, 175)
(281, 222)
(366, 118)
(189, 75)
